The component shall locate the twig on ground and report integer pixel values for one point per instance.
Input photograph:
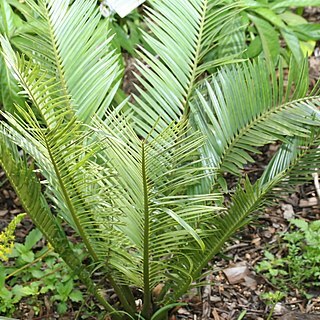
(316, 180)
(206, 308)
(316, 183)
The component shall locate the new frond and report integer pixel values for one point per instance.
(150, 189)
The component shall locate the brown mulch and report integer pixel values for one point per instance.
(312, 14)
(236, 287)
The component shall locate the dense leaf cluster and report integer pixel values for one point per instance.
(142, 182)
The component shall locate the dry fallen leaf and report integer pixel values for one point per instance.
(3, 213)
(236, 274)
(308, 203)
(279, 309)
(288, 212)
(157, 290)
(183, 311)
(256, 241)
(215, 314)
(250, 282)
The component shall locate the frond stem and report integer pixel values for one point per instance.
(56, 53)
(146, 263)
(186, 107)
(125, 296)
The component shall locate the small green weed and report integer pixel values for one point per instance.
(128, 32)
(271, 299)
(299, 268)
(30, 273)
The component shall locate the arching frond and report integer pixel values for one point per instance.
(53, 136)
(245, 107)
(62, 147)
(28, 189)
(183, 32)
(72, 45)
(247, 199)
(297, 161)
(149, 188)
(292, 165)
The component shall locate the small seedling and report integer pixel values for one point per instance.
(299, 268)
(271, 299)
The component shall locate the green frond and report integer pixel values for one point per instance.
(247, 199)
(62, 147)
(28, 189)
(292, 165)
(233, 40)
(72, 46)
(149, 189)
(57, 141)
(9, 89)
(246, 106)
(296, 161)
(170, 72)
(60, 157)
(125, 182)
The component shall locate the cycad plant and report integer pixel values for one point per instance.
(142, 184)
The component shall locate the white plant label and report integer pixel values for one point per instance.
(121, 7)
